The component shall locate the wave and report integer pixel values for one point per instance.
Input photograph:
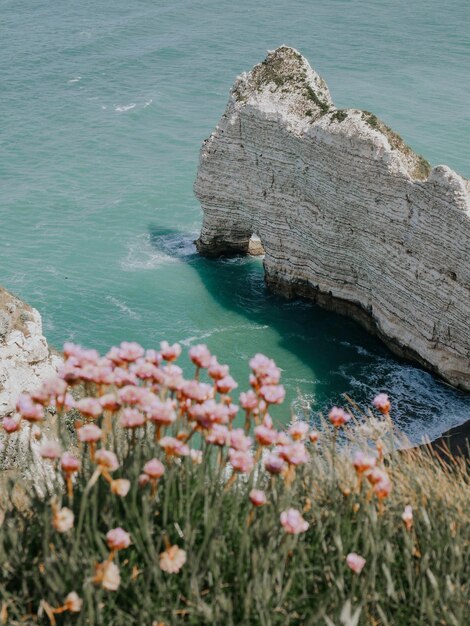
(124, 107)
(150, 251)
(189, 341)
(422, 406)
(359, 349)
(122, 306)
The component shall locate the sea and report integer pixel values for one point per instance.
(104, 105)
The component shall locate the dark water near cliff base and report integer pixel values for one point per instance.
(104, 106)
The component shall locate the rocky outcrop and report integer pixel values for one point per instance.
(25, 358)
(348, 215)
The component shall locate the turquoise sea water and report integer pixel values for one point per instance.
(103, 107)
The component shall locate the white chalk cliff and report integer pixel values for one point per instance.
(25, 357)
(348, 215)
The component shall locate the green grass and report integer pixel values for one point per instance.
(421, 168)
(340, 115)
(242, 568)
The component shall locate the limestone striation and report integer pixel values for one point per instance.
(348, 215)
(25, 358)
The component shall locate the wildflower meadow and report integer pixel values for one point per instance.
(143, 497)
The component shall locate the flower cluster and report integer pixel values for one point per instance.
(134, 396)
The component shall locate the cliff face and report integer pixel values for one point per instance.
(347, 213)
(25, 358)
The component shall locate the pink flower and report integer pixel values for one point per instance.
(363, 462)
(355, 562)
(28, 409)
(294, 454)
(383, 488)
(49, 390)
(200, 356)
(73, 602)
(173, 377)
(219, 435)
(70, 372)
(69, 463)
(232, 410)
(114, 355)
(152, 356)
(55, 386)
(107, 575)
(95, 374)
(90, 407)
(89, 356)
(314, 435)
(123, 377)
(72, 349)
(63, 520)
(283, 439)
(376, 475)
(226, 384)
(173, 446)
(260, 363)
(382, 403)
(298, 431)
(172, 559)
(118, 539)
(86, 357)
(239, 441)
(50, 450)
(257, 497)
(107, 459)
(64, 402)
(90, 433)
(210, 412)
(132, 418)
(267, 420)
(338, 417)
(147, 371)
(196, 391)
(248, 400)
(120, 487)
(170, 353)
(10, 425)
(104, 374)
(196, 456)
(130, 394)
(273, 394)
(242, 462)
(272, 376)
(79, 356)
(265, 436)
(154, 469)
(407, 517)
(293, 522)
(265, 369)
(217, 371)
(143, 480)
(109, 402)
(130, 351)
(162, 413)
(274, 464)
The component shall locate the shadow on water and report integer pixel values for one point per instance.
(237, 284)
(340, 354)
